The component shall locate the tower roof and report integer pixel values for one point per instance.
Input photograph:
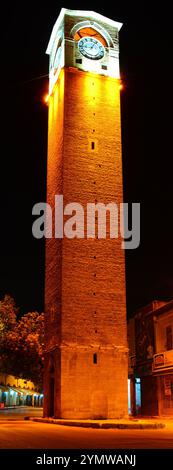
(85, 14)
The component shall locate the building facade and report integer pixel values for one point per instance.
(15, 391)
(85, 303)
(152, 328)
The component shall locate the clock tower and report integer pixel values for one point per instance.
(85, 305)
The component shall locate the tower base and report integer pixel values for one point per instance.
(85, 383)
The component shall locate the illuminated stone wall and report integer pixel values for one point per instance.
(85, 279)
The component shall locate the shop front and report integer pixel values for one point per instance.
(12, 397)
(163, 372)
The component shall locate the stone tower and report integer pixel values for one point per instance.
(85, 307)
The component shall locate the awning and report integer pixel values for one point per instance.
(24, 391)
(7, 388)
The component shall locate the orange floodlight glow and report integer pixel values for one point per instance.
(46, 98)
(121, 87)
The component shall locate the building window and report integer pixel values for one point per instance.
(92, 145)
(94, 358)
(169, 338)
(78, 61)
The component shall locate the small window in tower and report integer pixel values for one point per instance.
(92, 145)
(94, 358)
(78, 61)
(104, 67)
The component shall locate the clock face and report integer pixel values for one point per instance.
(91, 48)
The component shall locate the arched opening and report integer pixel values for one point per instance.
(91, 29)
(91, 32)
(52, 395)
(51, 389)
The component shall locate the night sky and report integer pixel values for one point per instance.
(145, 62)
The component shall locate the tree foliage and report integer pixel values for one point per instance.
(8, 314)
(21, 342)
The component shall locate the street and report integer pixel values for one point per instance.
(16, 433)
(19, 413)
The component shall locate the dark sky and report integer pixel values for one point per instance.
(146, 66)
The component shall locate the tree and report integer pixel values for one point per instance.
(21, 343)
(8, 314)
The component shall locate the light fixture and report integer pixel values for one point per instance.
(46, 98)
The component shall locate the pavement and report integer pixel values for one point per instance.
(17, 432)
(129, 423)
(36, 435)
(19, 413)
(35, 414)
